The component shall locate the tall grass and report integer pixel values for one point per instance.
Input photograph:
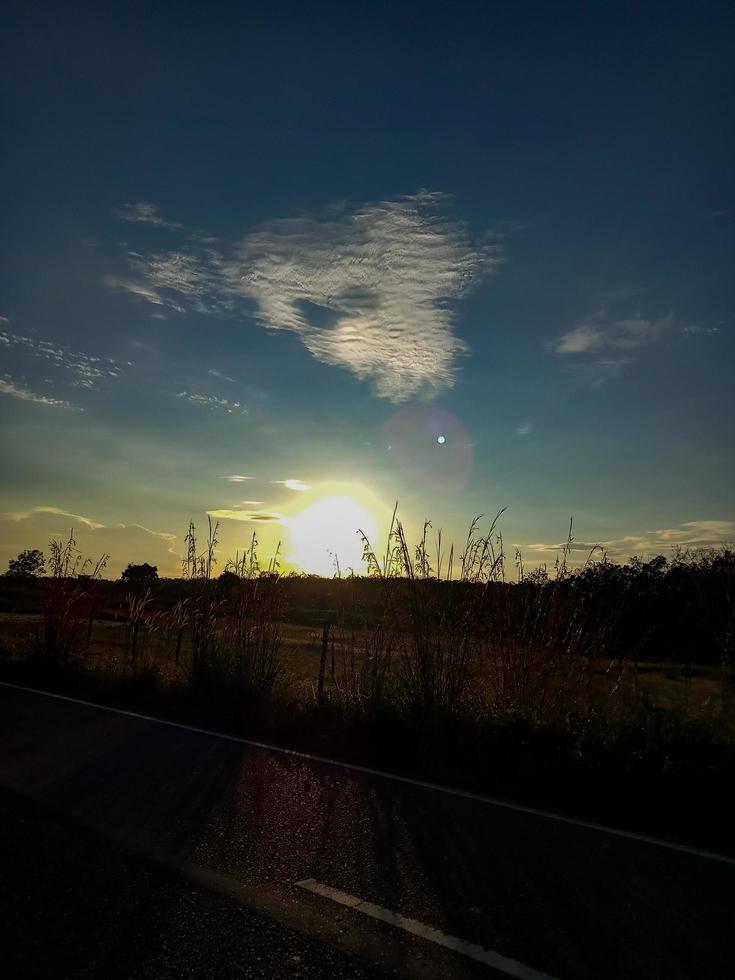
(233, 622)
(459, 636)
(62, 633)
(465, 656)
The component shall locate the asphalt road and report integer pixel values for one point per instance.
(132, 848)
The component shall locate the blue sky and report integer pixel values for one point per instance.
(299, 242)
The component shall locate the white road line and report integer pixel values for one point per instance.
(395, 777)
(474, 951)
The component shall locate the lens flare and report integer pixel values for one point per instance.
(431, 446)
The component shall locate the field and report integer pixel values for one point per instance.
(606, 690)
(691, 690)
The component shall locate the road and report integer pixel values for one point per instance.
(134, 848)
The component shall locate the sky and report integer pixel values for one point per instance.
(286, 264)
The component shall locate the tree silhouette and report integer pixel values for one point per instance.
(140, 573)
(28, 564)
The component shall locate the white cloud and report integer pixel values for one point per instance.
(196, 279)
(600, 348)
(599, 333)
(22, 515)
(124, 542)
(142, 291)
(293, 484)
(259, 517)
(145, 214)
(580, 339)
(238, 478)
(718, 529)
(524, 429)
(222, 377)
(690, 534)
(213, 403)
(25, 394)
(371, 289)
(385, 275)
(88, 371)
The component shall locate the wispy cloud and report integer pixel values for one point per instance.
(579, 340)
(372, 289)
(695, 328)
(524, 429)
(165, 537)
(213, 403)
(182, 280)
(14, 390)
(238, 478)
(293, 484)
(599, 334)
(145, 292)
(222, 377)
(87, 370)
(23, 515)
(690, 534)
(718, 530)
(256, 516)
(145, 214)
(599, 348)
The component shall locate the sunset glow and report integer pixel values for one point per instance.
(325, 535)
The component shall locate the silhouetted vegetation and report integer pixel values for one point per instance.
(137, 574)
(28, 564)
(468, 668)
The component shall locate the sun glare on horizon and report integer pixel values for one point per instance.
(325, 534)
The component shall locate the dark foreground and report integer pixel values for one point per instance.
(135, 849)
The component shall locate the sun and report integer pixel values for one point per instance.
(326, 533)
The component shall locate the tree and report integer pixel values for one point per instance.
(140, 573)
(28, 564)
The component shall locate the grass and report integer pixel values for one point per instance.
(435, 665)
(666, 684)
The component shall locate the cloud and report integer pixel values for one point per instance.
(213, 403)
(256, 516)
(238, 478)
(144, 292)
(380, 282)
(23, 515)
(599, 348)
(87, 370)
(624, 334)
(197, 279)
(218, 374)
(165, 536)
(718, 529)
(599, 370)
(124, 542)
(372, 289)
(145, 214)
(580, 339)
(8, 387)
(524, 429)
(697, 329)
(690, 534)
(293, 484)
